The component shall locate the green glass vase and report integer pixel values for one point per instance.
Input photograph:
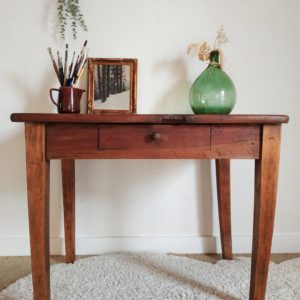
(213, 92)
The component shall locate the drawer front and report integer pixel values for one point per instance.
(239, 141)
(153, 137)
(69, 140)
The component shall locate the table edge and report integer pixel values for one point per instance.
(149, 118)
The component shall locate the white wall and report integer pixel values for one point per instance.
(156, 205)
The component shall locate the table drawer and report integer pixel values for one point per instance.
(153, 137)
(69, 140)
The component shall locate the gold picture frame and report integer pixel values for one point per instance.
(112, 85)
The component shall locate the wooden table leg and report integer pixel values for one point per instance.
(37, 167)
(266, 176)
(68, 182)
(223, 190)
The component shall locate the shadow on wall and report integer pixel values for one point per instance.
(38, 99)
(13, 165)
(129, 189)
(50, 18)
(112, 192)
(176, 99)
(144, 197)
(35, 99)
(204, 196)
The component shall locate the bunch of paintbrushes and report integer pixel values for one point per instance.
(69, 75)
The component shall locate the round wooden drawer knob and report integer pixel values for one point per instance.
(155, 136)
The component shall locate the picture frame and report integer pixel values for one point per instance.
(112, 86)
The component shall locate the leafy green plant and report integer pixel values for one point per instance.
(68, 12)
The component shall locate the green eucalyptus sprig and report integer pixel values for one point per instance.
(69, 11)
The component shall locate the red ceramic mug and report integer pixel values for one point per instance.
(68, 100)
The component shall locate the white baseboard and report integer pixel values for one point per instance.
(282, 243)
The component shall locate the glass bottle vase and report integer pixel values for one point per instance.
(213, 92)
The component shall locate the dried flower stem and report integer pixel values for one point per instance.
(221, 38)
(203, 49)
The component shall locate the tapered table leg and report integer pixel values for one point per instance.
(37, 168)
(223, 190)
(266, 175)
(68, 182)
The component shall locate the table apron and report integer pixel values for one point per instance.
(151, 141)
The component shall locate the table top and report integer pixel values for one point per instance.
(149, 118)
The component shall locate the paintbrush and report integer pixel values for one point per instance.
(71, 65)
(83, 48)
(69, 77)
(60, 67)
(80, 72)
(66, 64)
(54, 64)
(79, 61)
(72, 77)
(82, 62)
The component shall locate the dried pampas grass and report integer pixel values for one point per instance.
(203, 49)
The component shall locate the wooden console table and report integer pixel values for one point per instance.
(220, 137)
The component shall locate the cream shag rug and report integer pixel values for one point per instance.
(158, 276)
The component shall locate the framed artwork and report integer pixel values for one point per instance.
(112, 85)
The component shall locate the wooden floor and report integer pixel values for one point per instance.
(15, 267)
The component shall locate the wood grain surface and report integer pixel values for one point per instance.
(68, 187)
(223, 191)
(155, 137)
(91, 141)
(266, 176)
(150, 119)
(37, 168)
(220, 137)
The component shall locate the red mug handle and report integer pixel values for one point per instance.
(50, 92)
